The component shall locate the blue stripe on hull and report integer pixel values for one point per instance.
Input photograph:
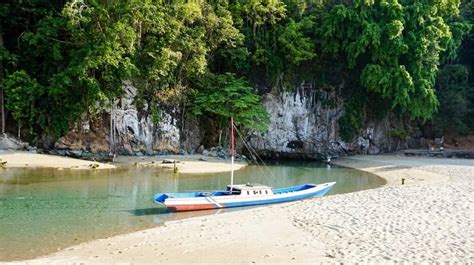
(279, 200)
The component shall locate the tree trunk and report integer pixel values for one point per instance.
(1, 78)
(220, 137)
(111, 128)
(2, 110)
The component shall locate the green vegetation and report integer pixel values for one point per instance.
(400, 134)
(225, 96)
(456, 96)
(351, 122)
(455, 85)
(59, 58)
(396, 48)
(21, 91)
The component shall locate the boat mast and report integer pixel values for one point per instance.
(231, 152)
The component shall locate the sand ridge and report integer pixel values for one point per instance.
(196, 167)
(31, 160)
(18, 159)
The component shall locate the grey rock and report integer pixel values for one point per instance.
(33, 149)
(363, 143)
(163, 153)
(74, 153)
(200, 149)
(52, 152)
(301, 123)
(134, 129)
(12, 143)
(183, 152)
(170, 161)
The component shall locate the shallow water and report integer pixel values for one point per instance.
(44, 210)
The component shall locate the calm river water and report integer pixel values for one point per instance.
(44, 210)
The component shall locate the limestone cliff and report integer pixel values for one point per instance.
(304, 124)
(134, 131)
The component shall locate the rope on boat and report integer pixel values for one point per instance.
(254, 155)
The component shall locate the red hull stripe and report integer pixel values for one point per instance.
(193, 207)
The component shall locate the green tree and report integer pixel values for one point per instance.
(395, 47)
(225, 96)
(296, 45)
(78, 52)
(454, 84)
(456, 98)
(179, 41)
(21, 91)
(374, 53)
(259, 21)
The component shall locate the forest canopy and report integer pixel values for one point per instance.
(59, 58)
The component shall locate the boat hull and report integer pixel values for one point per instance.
(192, 207)
(187, 202)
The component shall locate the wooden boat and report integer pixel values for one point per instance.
(239, 195)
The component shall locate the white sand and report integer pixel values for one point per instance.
(25, 159)
(430, 219)
(218, 239)
(31, 160)
(196, 167)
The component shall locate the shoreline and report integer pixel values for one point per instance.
(186, 164)
(420, 221)
(190, 164)
(23, 159)
(392, 169)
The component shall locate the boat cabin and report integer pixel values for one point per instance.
(250, 190)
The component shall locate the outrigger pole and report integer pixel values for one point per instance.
(231, 152)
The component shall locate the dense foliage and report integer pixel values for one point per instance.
(455, 85)
(59, 58)
(226, 96)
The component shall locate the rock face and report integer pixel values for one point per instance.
(304, 124)
(134, 131)
(11, 143)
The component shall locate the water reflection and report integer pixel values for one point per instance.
(149, 211)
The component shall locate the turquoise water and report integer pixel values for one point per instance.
(43, 210)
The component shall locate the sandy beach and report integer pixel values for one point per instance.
(429, 219)
(26, 159)
(193, 167)
(15, 159)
